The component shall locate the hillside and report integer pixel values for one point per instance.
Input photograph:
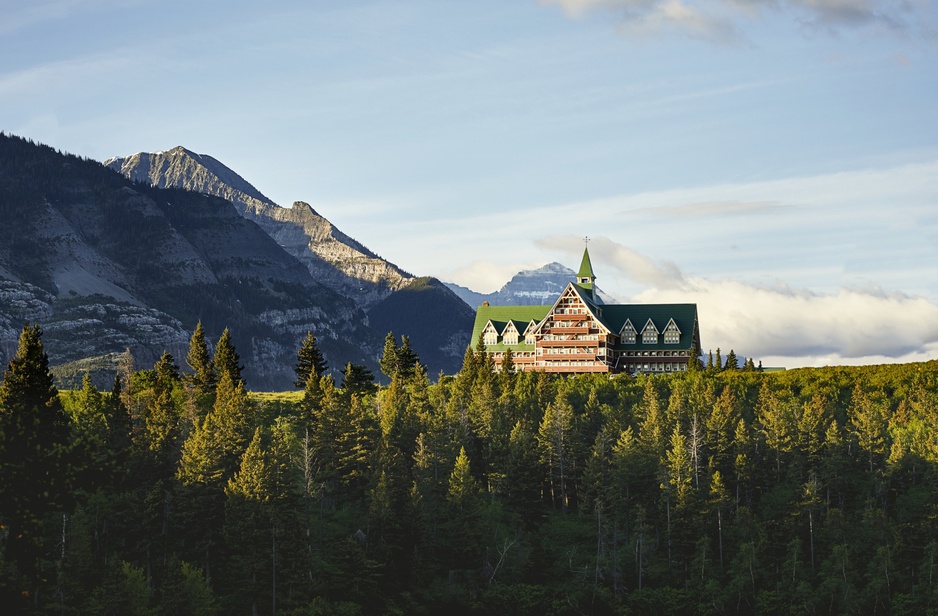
(333, 258)
(104, 263)
(437, 322)
(391, 297)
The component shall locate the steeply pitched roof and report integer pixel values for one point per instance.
(501, 315)
(586, 267)
(614, 317)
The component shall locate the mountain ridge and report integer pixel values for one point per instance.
(540, 286)
(333, 258)
(103, 263)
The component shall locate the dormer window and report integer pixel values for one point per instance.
(627, 333)
(489, 335)
(650, 333)
(529, 332)
(510, 334)
(672, 335)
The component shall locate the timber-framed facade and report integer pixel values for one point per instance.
(580, 334)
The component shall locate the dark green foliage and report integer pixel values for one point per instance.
(43, 472)
(432, 317)
(203, 377)
(309, 360)
(389, 358)
(227, 360)
(358, 380)
(730, 492)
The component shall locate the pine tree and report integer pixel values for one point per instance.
(357, 380)
(227, 360)
(389, 359)
(554, 438)
(203, 377)
(731, 362)
(167, 372)
(508, 362)
(463, 487)
(718, 362)
(407, 359)
(309, 360)
(693, 359)
(37, 468)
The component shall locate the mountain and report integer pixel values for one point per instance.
(333, 258)
(440, 323)
(390, 296)
(104, 263)
(536, 287)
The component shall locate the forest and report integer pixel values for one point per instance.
(715, 491)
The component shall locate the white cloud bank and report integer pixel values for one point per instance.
(795, 327)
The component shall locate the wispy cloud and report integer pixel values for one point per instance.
(632, 264)
(707, 209)
(723, 21)
(35, 12)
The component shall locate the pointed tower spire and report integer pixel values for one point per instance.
(585, 277)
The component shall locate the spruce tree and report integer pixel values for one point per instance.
(693, 361)
(407, 358)
(389, 359)
(731, 362)
(203, 370)
(309, 360)
(37, 469)
(167, 372)
(357, 380)
(227, 360)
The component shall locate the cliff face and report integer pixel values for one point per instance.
(391, 298)
(332, 257)
(104, 264)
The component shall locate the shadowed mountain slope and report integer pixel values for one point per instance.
(332, 257)
(103, 263)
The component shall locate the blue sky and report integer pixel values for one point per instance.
(774, 161)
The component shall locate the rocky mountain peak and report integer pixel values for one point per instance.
(332, 257)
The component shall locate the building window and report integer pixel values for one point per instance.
(650, 333)
(672, 335)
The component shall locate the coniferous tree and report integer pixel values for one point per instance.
(309, 360)
(731, 362)
(203, 377)
(357, 380)
(407, 359)
(554, 438)
(167, 372)
(227, 360)
(718, 361)
(389, 359)
(37, 472)
(693, 359)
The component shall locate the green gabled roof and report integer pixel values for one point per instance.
(586, 268)
(614, 317)
(501, 315)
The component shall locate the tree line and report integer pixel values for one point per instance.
(811, 491)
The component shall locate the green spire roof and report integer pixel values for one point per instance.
(586, 268)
